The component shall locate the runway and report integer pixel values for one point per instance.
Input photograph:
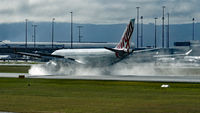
(145, 78)
(191, 79)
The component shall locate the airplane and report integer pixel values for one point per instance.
(91, 57)
(104, 57)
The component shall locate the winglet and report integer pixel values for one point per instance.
(187, 53)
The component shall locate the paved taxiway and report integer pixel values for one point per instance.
(167, 78)
(195, 79)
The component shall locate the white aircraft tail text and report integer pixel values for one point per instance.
(125, 41)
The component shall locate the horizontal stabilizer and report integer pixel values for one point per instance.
(111, 49)
(118, 53)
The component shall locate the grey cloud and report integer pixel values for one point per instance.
(96, 11)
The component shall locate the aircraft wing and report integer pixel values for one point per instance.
(174, 55)
(50, 57)
(145, 50)
(40, 55)
(29, 54)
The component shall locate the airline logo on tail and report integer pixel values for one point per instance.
(123, 47)
(125, 41)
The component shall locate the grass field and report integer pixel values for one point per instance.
(14, 69)
(81, 96)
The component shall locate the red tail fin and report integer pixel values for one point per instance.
(125, 41)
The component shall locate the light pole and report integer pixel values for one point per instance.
(155, 40)
(163, 26)
(26, 33)
(193, 29)
(168, 30)
(71, 30)
(34, 34)
(79, 33)
(52, 31)
(138, 26)
(141, 31)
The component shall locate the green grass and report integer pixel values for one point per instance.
(82, 96)
(18, 62)
(14, 69)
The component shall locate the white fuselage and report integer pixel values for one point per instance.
(93, 57)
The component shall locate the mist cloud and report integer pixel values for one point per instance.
(97, 11)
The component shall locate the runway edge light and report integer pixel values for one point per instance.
(165, 85)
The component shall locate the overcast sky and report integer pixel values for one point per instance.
(98, 11)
